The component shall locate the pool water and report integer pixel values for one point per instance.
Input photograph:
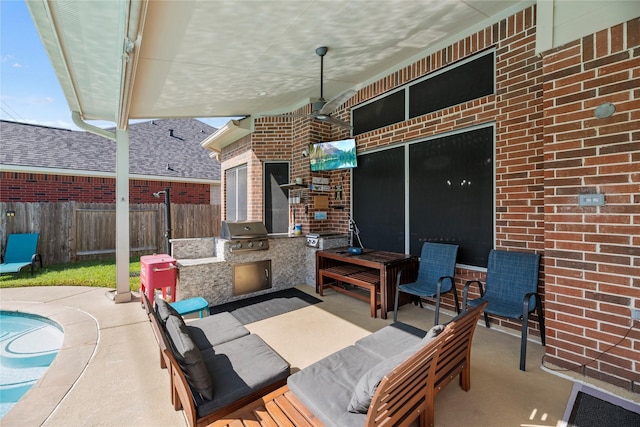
(28, 345)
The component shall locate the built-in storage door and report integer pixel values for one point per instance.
(251, 277)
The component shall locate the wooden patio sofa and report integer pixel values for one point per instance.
(241, 366)
(404, 395)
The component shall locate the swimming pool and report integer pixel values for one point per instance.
(28, 345)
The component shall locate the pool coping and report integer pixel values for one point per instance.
(81, 336)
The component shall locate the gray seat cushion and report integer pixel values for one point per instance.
(347, 380)
(208, 331)
(189, 357)
(326, 387)
(391, 340)
(238, 368)
(215, 329)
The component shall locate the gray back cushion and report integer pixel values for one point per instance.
(367, 385)
(164, 309)
(189, 357)
(431, 334)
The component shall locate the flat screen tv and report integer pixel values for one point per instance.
(331, 155)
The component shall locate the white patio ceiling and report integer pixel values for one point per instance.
(237, 58)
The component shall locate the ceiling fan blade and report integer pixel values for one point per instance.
(338, 122)
(330, 106)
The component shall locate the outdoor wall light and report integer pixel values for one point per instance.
(11, 214)
(605, 110)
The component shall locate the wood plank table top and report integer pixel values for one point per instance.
(360, 270)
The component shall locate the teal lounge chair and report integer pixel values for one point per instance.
(20, 252)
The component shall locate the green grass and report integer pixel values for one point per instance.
(100, 273)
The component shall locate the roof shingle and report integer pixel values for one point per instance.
(152, 147)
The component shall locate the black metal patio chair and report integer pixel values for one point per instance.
(511, 290)
(435, 276)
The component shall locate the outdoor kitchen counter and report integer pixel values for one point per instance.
(198, 261)
(209, 272)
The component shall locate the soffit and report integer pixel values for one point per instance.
(236, 58)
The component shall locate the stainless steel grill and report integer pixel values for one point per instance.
(245, 236)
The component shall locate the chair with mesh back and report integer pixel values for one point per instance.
(511, 290)
(21, 251)
(435, 276)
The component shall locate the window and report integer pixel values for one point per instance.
(378, 187)
(438, 190)
(464, 81)
(236, 187)
(451, 182)
(379, 113)
(276, 204)
(459, 83)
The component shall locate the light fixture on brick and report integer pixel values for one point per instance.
(605, 110)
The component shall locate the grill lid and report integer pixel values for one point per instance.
(243, 230)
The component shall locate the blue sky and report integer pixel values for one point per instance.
(29, 89)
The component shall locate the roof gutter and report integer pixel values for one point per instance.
(133, 13)
(77, 120)
(232, 131)
(133, 22)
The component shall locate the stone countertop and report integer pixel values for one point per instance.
(335, 235)
(198, 261)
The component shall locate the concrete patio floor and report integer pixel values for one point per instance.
(107, 372)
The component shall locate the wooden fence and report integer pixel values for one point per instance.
(72, 231)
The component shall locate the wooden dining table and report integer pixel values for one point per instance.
(373, 271)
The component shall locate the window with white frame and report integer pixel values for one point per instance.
(236, 189)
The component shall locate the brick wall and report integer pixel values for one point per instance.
(516, 109)
(592, 254)
(33, 187)
(271, 141)
(307, 131)
(549, 149)
(283, 138)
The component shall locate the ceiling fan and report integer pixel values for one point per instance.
(321, 109)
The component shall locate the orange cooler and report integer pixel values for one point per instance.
(158, 272)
